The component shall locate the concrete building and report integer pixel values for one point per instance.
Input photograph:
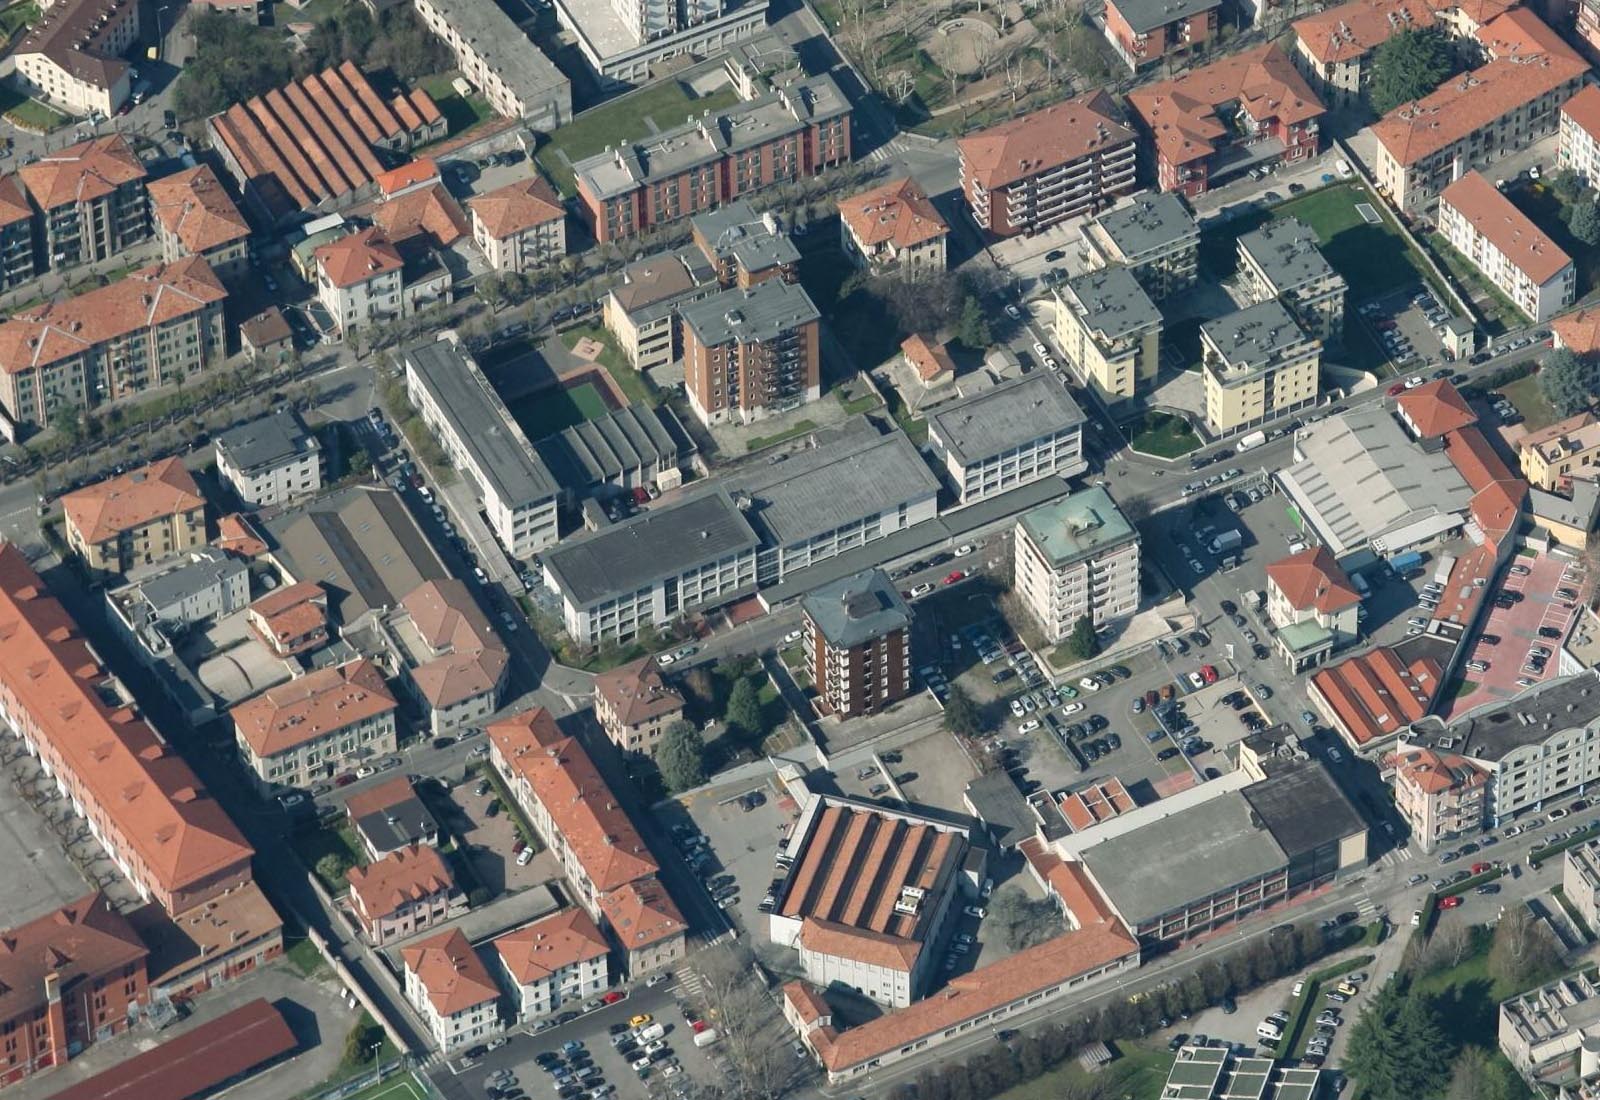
(1313, 605)
(1506, 247)
(144, 516)
(195, 217)
(1571, 519)
(291, 620)
(272, 460)
(453, 665)
(1243, 111)
(1578, 135)
(405, 892)
(512, 74)
(201, 588)
(1146, 32)
(1552, 457)
(91, 200)
(555, 962)
(145, 331)
(651, 569)
(1439, 795)
(1010, 435)
(483, 441)
(636, 447)
(1580, 880)
(634, 705)
(641, 309)
(790, 133)
(1475, 119)
(360, 279)
(452, 990)
(893, 227)
(1152, 235)
(1549, 1034)
(18, 264)
(72, 57)
(1282, 260)
(390, 817)
(1110, 330)
(1076, 557)
(607, 866)
(1258, 364)
(627, 41)
(744, 248)
(750, 353)
(1061, 162)
(316, 725)
(521, 226)
(858, 644)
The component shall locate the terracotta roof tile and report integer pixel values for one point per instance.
(1348, 31)
(81, 173)
(359, 257)
(1312, 580)
(107, 508)
(422, 170)
(1584, 110)
(1578, 331)
(1045, 139)
(391, 792)
(86, 939)
(13, 203)
(423, 212)
(400, 878)
(930, 361)
(1435, 408)
(544, 948)
(1374, 694)
(1495, 218)
(899, 212)
(451, 972)
(509, 210)
(471, 660)
(637, 693)
(235, 535)
(641, 913)
(312, 705)
(1436, 772)
(195, 208)
(859, 944)
(1474, 458)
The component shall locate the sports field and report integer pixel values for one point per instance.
(549, 411)
(404, 1087)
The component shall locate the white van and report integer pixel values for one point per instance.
(1269, 1031)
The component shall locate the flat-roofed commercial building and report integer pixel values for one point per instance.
(521, 226)
(1282, 260)
(200, 588)
(1153, 235)
(1077, 557)
(894, 227)
(634, 705)
(1109, 329)
(512, 74)
(627, 41)
(484, 442)
(653, 568)
(1507, 248)
(1548, 1033)
(1258, 364)
(72, 57)
(142, 517)
(1145, 32)
(1554, 455)
(452, 990)
(1043, 168)
(316, 725)
(553, 962)
(751, 353)
(272, 460)
(858, 644)
(1006, 436)
(635, 447)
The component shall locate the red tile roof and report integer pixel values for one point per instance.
(1578, 331)
(82, 173)
(312, 706)
(13, 203)
(294, 611)
(451, 972)
(898, 213)
(471, 660)
(1348, 31)
(1037, 142)
(422, 212)
(1435, 773)
(509, 210)
(235, 535)
(641, 913)
(930, 361)
(1497, 508)
(358, 258)
(572, 791)
(1374, 694)
(108, 508)
(400, 878)
(1584, 110)
(422, 170)
(1496, 219)
(391, 792)
(637, 693)
(1435, 408)
(1474, 458)
(544, 948)
(1312, 580)
(153, 808)
(1182, 114)
(195, 208)
(84, 940)
(1096, 803)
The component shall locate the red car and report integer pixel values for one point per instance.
(1450, 902)
(613, 997)
(1208, 673)
(1480, 868)
(1397, 388)
(958, 575)
(698, 1026)
(345, 780)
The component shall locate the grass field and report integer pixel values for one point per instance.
(1165, 438)
(1372, 258)
(1138, 1075)
(549, 411)
(611, 357)
(404, 1087)
(1524, 394)
(29, 112)
(628, 118)
(460, 112)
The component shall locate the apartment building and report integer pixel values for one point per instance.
(194, 216)
(1145, 32)
(744, 248)
(1032, 172)
(451, 990)
(1282, 260)
(149, 329)
(389, 817)
(72, 977)
(483, 441)
(316, 726)
(857, 638)
(1313, 605)
(1580, 880)
(629, 41)
(1506, 247)
(653, 568)
(801, 129)
(893, 227)
(91, 200)
(452, 663)
(1110, 330)
(405, 892)
(360, 278)
(555, 962)
(1258, 363)
(1074, 558)
(1333, 48)
(512, 74)
(201, 587)
(17, 262)
(607, 866)
(521, 226)
(1006, 436)
(1243, 111)
(144, 516)
(641, 310)
(1439, 795)
(634, 705)
(1153, 235)
(1578, 135)
(291, 620)
(1552, 456)
(1548, 1033)
(750, 353)
(1475, 119)
(72, 57)
(272, 460)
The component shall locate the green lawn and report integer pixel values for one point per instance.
(613, 360)
(305, 957)
(29, 113)
(1138, 1074)
(1499, 314)
(1169, 438)
(627, 118)
(1524, 394)
(312, 844)
(1372, 258)
(552, 410)
(18, 17)
(801, 427)
(460, 112)
(400, 1087)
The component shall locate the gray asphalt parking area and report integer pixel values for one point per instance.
(742, 843)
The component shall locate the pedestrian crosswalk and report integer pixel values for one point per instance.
(1367, 909)
(689, 985)
(887, 150)
(1395, 856)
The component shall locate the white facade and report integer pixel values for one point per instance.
(320, 758)
(470, 1025)
(1578, 149)
(277, 481)
(572, 984)
(1058, 454)
(1103, 586)
(778, 562)
(361, 303)
(1539, 298)
(524, 250)
(625, 615)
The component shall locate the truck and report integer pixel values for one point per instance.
(1230, 539)
(1404, 564)
(706, 1038)
(1254, 439)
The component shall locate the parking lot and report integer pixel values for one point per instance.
(1530, 613)
(491, 840)
(1407, 326)
(740, 844)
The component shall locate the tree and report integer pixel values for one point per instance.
(1083, 642)
(232, 61)
(1583, 220)
(331, 867)
(1023, 921)
(1397, 1049)
(1567, 185)
(362, 1042)
(1481, 1075)
(1408, 66)
(67, 421)
(1524, 952)
(681, 756)
(973, 328)
(359, 463)
(743, 715)
(962, 715)
(1566, 379)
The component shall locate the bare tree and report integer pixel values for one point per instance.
(752, 1026)
(946, 53)
(1015, 74)
(1524, 950)
(899, 85)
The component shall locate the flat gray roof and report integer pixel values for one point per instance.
(1144, 16)
(1577, 511)
(265, 444)
(532, 77)
(1303, 807)
(1004, 417)
(1287, 252)
(660, 543)
(1254, 337)
(764, 312)
(200, 569)
(737, 232)
(405, 822)
(850, 474)
(480, 421)
(595, 451)
(1148, 223)
(654, 286)
(1112, 303)
(1077, 527)
(856, 609)
(1490, 732)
